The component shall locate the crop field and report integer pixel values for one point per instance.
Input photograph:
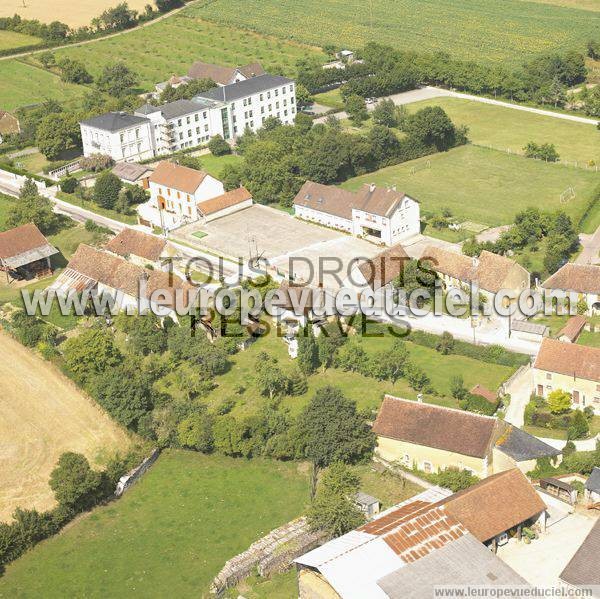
(583, 4)
(505, 128)
(12, 39)
(43, 415)
(481, 30)
(169, 535)
(22, 84)
(170, 46)
(486, 186)
(72, 13)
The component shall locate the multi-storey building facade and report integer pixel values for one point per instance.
(156, 130)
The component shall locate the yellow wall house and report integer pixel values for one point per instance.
(570, 367)
(432, 438)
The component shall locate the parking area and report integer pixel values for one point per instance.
(289, 244)
(542, 561)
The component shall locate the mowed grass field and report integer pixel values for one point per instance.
(169, 535)
(507, 128)
(170, 47)
(480, 30)
(12, 39)
(486, 186)
(72, 13)
(43, 415)
(23, 84)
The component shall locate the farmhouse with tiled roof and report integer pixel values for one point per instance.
(425, 541)
(381, 215)
(570, 367)
(582, 280)
(434, 438)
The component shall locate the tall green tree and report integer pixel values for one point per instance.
(117, 79)
(106, 189)
(33, 208)
(308, 357)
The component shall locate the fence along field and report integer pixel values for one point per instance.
(507, 31)
(42, 415)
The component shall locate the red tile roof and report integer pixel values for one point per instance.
(495, 504)
(435, 426)
(20, 240)
(573, 360)
(132, 242)
(385, 267)
(572, 328)
(485, 393)
(177, 177)
(231, 198)
(582, 278)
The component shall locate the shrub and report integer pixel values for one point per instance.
(478, 404)
(218, 146)
(559, 401)
(68, 184)
(456, 479)
(579, 426)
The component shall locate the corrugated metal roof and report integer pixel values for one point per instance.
(524, 326)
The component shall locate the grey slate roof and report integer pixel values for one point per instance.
(115, 121)
(593, 482)
(525, 326)
(584, 567)
(243, 89)
(465, 561)
(365, 498)
(521, 446)
(147, 109)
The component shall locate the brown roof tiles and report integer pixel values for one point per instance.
(582, 278)
(435, 426)
(231, 198)
(578, 361)
(572, 328)
(132, 242)
(177, 177)
(21, 239)
(385, 267)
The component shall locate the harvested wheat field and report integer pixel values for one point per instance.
(75, 14)
(43, 414)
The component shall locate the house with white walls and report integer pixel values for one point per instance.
(378, 214)
(175, 193)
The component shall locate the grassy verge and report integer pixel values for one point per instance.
(129, 219)
(169, 535)
(332, 98)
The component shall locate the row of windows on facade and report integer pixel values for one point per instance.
(261, 97)
(262, 120)
(175, 192)
(249, 113)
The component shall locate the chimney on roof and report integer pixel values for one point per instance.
(372, 187)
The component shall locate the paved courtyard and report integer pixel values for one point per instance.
(288, 243)
(542, 561)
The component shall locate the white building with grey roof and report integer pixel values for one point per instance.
(124, 137)
(157, 130)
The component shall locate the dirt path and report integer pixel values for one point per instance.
(43, 414)
(104, 37)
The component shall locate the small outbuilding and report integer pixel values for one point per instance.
(367, 504)
(592, 488)
(25, 253)
(560, 489)
(572, 329)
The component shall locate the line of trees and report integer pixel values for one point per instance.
(387, 70)
(279, 159)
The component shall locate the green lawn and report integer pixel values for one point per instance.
(23, 84)
(366, 391)
(12, 39)
(332, 98)
(507, 31)
(507, 128)
(6, 203)
(169, 535)
(34, 163)
(484, 185)
(214, 165)
(129, 219)
(147, 52)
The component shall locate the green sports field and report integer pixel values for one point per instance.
(507, 128)
(480, 30)
(170, 46)
(486, 186)
(22, 84)
(169, 535)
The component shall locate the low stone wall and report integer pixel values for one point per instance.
(134, 475)
(273, 553)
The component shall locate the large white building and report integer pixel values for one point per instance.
(381, 215)
(122, 136)
(226, 110)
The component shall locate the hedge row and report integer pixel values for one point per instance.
(19, 171)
